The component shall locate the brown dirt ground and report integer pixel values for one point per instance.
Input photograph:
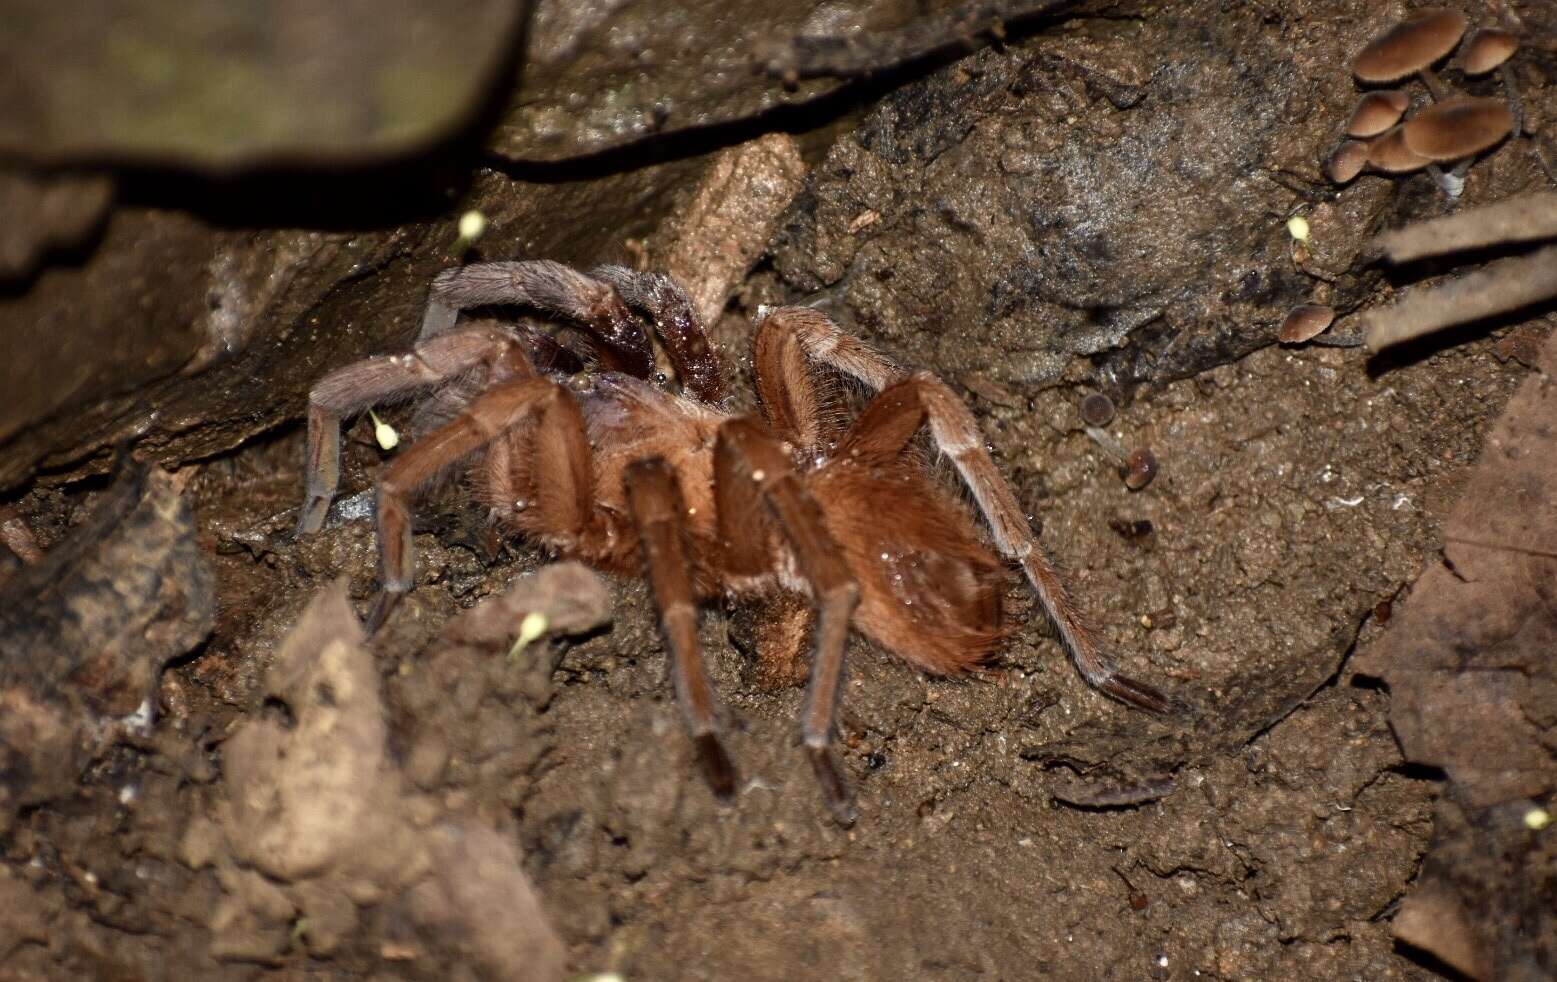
(1298, 490)
(1013, 826)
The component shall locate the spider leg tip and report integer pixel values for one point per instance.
(383, 604)
(835, 787)
(1138, 694)
(718, 768)
(311, 517)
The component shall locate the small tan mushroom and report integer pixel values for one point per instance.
(1411, 46)
(1347, 161)
(1139, 468)
(1305, 322)
(1458, 127)
(1377, 112)
(1389, 153)
(1487, 49)
(1097, 410)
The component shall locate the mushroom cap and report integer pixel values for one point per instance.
(1305, 322)
(1140, 468)
(1097, 410)
(1390, 154)
(1457, 128)
(1487, 49)
(1347, 161)
(1410, 46)
(1377, 112)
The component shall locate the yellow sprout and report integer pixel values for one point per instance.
(384, 433)
(1297, 226)
(1537, 819)
(473, 224)
(533, 626)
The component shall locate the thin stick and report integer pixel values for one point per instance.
(1502, 286)
(1523, 219)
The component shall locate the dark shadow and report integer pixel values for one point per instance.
(1431, 963)
(341, 197)
(1369, 683)
(1419, 772)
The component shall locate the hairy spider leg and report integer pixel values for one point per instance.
(655, 502)
(619, 339)
(749, 464)
(956, 434)
(564, 490)
(387, 377)
(788, 340)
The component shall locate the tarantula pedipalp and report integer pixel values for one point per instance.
(600, 464)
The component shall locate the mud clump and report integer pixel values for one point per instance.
(313, 825)
(85, 631)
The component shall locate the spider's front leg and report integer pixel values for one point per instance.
(655, 502)
(753, 470)
(374, 380)
(564, 497)
(617, 336)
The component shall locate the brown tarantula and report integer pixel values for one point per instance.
(589, 457)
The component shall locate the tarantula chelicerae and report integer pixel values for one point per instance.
(588, 456)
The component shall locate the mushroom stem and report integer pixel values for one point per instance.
(1114, 450)
(1451, 183)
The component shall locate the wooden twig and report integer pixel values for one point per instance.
(1505, 285)
(1528, 218)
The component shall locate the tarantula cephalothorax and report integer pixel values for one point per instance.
(589, 457)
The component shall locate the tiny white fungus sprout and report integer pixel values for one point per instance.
(1297, 227)
(1537, 819)
(384, 433)
(473, 225)
(533, 626)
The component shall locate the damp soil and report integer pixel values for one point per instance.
(1013, 825)
(539, 813)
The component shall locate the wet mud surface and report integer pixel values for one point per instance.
(1296, 494)
(1033, 222)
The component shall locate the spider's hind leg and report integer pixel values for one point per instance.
(796, 331)
(957, 435)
